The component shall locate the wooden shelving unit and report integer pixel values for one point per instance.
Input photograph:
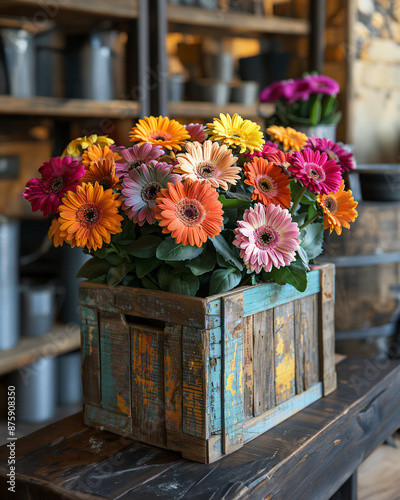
(62, 339)
(206, 110)
(68, 108)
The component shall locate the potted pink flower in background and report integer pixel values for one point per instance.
(308, 104)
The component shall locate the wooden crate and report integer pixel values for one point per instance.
(204, 376)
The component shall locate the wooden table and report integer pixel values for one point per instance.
(309, 456)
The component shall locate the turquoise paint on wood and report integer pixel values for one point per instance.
(261, 297)
(214, 393)
(271, 418)
(108, 420)
(233, 373)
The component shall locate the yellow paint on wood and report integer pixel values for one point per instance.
(90, 340)
(121, 403)
(241, 371)
(233, 362)
(284, 369)
(231, 378)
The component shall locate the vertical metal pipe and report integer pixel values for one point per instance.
(317, 34)
(143, 58)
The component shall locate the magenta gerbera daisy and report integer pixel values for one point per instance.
(196, 131)
(268, 148)
(59, 175)
(334, 152)
(267, 237)
(135, 156)
(141, 188)
(316, 171)
(322, 84)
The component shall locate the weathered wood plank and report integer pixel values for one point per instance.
(173, 379)
(90, 356)
(102, 419)
(264, 361)
(309, 326)
(148, 417)
(144, 303)
(248, 368)
(115, 363)
(299, 347)
(327, 329)
(233, 373)
(214, 391)
(194, 353)
(285, 374)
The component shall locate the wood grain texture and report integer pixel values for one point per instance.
(310, 455)
(90, 356)
(148, 416)
(233, 373)
(115, 363)
(285, 374)
(264, 361)
(248, 368)
(111, 421)
(299, 346)
(173, 379)
(309, 325)
(214, 381)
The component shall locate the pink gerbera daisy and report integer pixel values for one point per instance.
(268, 148)
(135, 156)
(140, 190)
(322, 84)
(277, 91)
(59, 175)
(316, 171)
(267, 237)
(280, 159)
(196, 131)
(333, 150)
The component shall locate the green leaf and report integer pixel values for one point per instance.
(116, 274)
(327, 105)
(144, 247)
(311, 238)
(127, 235)
(101, 252)
(164, 276)
(184, 284)
(228, 252)
(150, 229)
(169, 250)
(202, 264)
(223, 280)
(303, 256)
(234, 203)
(145, 266)
(147, 283)
(294, 275)
(315, 113)
(93, 268)
(234, 195)
(113, 258)
(100, 279)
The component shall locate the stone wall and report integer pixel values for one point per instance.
(375, 129)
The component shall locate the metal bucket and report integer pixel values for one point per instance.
(9, 270)
(69, 381)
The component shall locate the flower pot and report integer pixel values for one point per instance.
(325, 131)
(203, 376)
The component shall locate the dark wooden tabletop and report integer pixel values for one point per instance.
(309, 456)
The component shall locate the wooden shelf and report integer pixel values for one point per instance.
(102, 8)
(68, 108)
(62, 339)
(235, 22)
(208, 110)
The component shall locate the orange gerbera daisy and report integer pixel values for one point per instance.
(90, 215)
(103, 172)
(339, 209)
(96, 152)
(208, 162)
(57, 237)
(289, 137)
(191, 212)
(271, 185)
(160, 131)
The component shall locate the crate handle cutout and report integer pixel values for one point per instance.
(155, 325)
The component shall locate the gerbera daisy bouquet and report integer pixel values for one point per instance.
(196, 210)
(307, 101)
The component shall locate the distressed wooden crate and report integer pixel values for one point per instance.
(204, 376)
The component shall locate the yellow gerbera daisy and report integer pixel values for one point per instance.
(90, 215)
(289, 137)
(160, 131)
(236, 133)
(77, 146)
(339, 209)
(95, 152)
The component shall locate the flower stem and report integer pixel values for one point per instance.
(297, 200)
(313, 218)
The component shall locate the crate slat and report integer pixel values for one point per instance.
(285, 373)
(90, 356)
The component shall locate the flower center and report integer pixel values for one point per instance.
(89, 215)
(331, 204)
(134, 164)
(106, 183)
(205, 170)
(332, 155)
(266, 237)
(150, 192)
(190, 212)
(159, 135)
(315, 172)
(57, 184)
(266, 185)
